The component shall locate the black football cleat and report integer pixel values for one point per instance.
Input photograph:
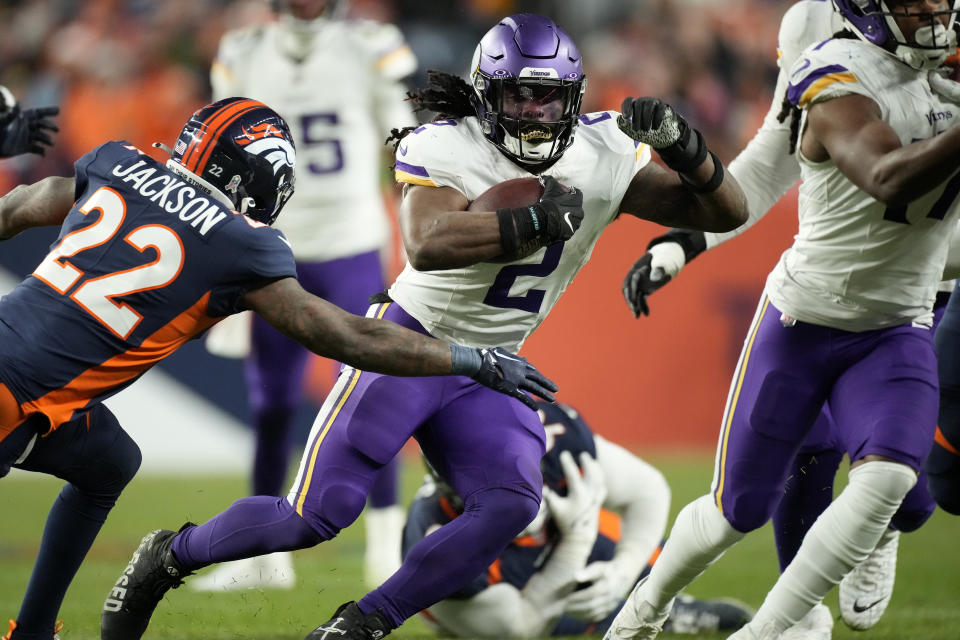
(349, 623)
(690, 615)
(152, 571)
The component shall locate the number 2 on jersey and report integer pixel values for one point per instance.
(96, 295)
(498, 295)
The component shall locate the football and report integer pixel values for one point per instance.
(519, 192)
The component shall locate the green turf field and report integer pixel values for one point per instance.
(925, 606)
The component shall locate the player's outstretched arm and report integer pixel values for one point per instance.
(386, 347)
(697, 193)
(42, 203)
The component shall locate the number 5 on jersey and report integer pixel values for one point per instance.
(96, 295)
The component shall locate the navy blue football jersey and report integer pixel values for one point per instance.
(144, 262)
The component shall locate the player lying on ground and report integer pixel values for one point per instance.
(600, 526)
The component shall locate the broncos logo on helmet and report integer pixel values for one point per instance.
(266, 140)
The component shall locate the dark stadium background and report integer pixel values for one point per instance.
(136, 69)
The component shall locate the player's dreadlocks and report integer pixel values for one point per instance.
(447, 95)
(787, 108)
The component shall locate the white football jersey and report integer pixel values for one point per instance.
(856, 263)
(340, 100)
(500, 304)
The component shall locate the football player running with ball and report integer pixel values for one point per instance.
(150, 256)
(846, 318)
(518, 117)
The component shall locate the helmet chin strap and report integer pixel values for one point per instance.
(197, 181)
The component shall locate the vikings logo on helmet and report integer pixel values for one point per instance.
(269, 142)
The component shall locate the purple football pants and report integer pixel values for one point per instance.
(277, 364)
(809, 489)
(880, 386)
(486, 445)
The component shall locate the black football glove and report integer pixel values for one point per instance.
(26, 131)
(658, 266)
(654, 122)
(511, 374)
(554, 218)
(563, 208)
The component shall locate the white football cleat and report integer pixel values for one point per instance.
(637, 619)
(865, 591)
(750, 632)
(816, 625)
(272, 571)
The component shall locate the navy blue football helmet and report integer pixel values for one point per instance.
(241, 149)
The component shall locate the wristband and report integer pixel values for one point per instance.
(693, 242)
(520, 229)
(710, 185)
(680, 157)
(466, 360)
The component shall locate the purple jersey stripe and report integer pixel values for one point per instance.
(796, 91)
(412, 169)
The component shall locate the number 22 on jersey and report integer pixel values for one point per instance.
(96, 295)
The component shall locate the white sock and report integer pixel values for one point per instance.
(841, 538)
(699, 537)
(384, 529)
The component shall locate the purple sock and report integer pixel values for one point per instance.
(808, 492)
(249, 527)
(916, 508)
(455, 554)
(383, 493)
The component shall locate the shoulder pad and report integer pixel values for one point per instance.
(830, 69)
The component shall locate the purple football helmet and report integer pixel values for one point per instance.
(874, 21)
(528, 86)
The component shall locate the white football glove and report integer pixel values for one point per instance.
(609, 585)
(577, 514)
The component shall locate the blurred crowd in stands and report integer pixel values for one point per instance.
(136, 69)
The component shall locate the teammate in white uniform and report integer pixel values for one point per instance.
(339, 85)
(766, 171)
(845, 318)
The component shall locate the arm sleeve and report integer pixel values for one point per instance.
(765, 169)
(640, 494)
